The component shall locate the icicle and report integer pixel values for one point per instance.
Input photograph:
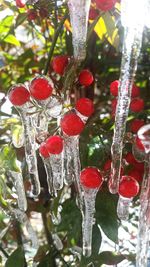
(46, 160)
(56, 162)
(19, 186)
(87, 224)
(130, 54)
(79, 12)
(56, 219)
(22, 218)
(144, 218)
(91, 180)
(72, 165)
(30, 152)
(123, 207)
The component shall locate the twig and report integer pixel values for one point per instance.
(57, 32)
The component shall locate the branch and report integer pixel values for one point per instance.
(57, 32)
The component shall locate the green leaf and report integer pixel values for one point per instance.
(106, 214)
(8, 159)
(5, 25)
(109, 258)
(71, 221)
(16, 258)
(12, 40)
(96, 240)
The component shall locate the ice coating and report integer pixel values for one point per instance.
(79, 12)
(49, 174)
(88, 217)
(30, 152)
(144, 217)
(123, 208)
(56, 162)
(57, 242)
(22, 218)
(19, 186)
(130, 54)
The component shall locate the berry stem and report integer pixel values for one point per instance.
(57, 32)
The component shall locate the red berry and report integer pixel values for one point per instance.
(135, 91)
(130, 158)
(54, 144)
(105, 5)
(128, 187)
(18, 95)
(86, 78)
(136, 175)
(85, 106)
(91, 177)
(31, 14)
(114, 88)
(93, 13)
(20, 3)
(71, 124)
(59, 64)
(43, 150)
(137, 105)
(136, 124)
(139, 144)
(41, 88)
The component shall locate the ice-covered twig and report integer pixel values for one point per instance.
(130, 54)
(123, 208)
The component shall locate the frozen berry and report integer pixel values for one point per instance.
(93, 14)
(43, 150)
(20, 3)
(105, 5)
(59, 64)
(31, 14)
(86, 78)
(54, 144)
(139, 144)
(18, 95)
(137, 105)
(91, 177)
(128, 187)
(85, 106)
(41, 88)
(71, 124)
(136, 124)
(136, 175)
(114, 88)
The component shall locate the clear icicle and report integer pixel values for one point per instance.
(49, 174)
(19, 186)
(73, 165)
(138, 154)
(130, 54)
(40, 122)
(22, 218)
(56, 162)
(79, 12)
(88, 218)
(144, 217)
(68, 161)
(30, 151)
(123, 208)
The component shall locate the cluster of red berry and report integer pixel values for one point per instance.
(32, 14)
(137, 103)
